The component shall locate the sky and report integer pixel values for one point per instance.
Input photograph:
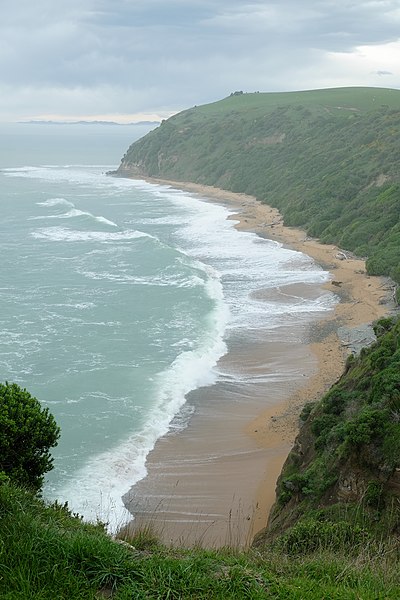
(134, 60)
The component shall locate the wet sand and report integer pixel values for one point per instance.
(213, 483)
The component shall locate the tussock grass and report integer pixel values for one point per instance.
(48, 554)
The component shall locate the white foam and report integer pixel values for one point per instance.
(85, 175)
(78, 305)
(117, 469)
(12, 170)
(73, 212)
(61, 234)
(56, 202)
(106, 221)
(158, 280)
(245, 261)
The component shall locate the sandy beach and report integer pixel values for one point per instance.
(214, 483)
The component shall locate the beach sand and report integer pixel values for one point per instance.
(213, 483)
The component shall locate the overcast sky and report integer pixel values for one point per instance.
(145, 59)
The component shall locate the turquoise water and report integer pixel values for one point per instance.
(118, 298)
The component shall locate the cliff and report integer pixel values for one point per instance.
(327, 159)
(345, 463)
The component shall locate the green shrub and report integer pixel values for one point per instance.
(367, 426)
(383, 325)
(311, 483)
(306, 411)
(374, 496)
(27, 432)
(323, 423)
(391, 442)
(335, 400)
(311, 535)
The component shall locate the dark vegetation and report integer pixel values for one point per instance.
(343, 474)
(27, 433)
(328, 159)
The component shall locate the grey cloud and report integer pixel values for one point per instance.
(323, 24)
(158, 54)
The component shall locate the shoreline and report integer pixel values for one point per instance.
(363, 299)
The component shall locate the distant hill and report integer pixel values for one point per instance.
(328, 159)
(141, 123)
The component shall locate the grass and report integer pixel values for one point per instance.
(48, 554)
(339, 99)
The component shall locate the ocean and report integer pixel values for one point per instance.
(119, 297)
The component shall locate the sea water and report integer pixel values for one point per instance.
(118, 297)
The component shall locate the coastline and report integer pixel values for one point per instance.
(273, 430)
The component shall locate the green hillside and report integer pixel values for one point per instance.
(328, 159)
(345, 464)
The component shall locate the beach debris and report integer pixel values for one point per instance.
(126, 544)
(341, 255)
(275, 222)
(337, 283)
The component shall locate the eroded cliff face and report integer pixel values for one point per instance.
(128, 169)
(347, 453)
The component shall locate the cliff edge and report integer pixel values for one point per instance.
(345, 463)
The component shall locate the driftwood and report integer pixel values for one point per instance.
(364, 340)
(276, 222)
(389, 286)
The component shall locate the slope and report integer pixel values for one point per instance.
(327, 159)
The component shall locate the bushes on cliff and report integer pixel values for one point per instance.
(27, 432)
(366, 427)
(313, 534)
(356, 427)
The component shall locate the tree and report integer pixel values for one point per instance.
(27, 432)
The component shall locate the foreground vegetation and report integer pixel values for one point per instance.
(334, 532)
(47, 554)
(27, 432)
(328, 159)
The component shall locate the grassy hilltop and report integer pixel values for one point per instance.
(328, 159)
